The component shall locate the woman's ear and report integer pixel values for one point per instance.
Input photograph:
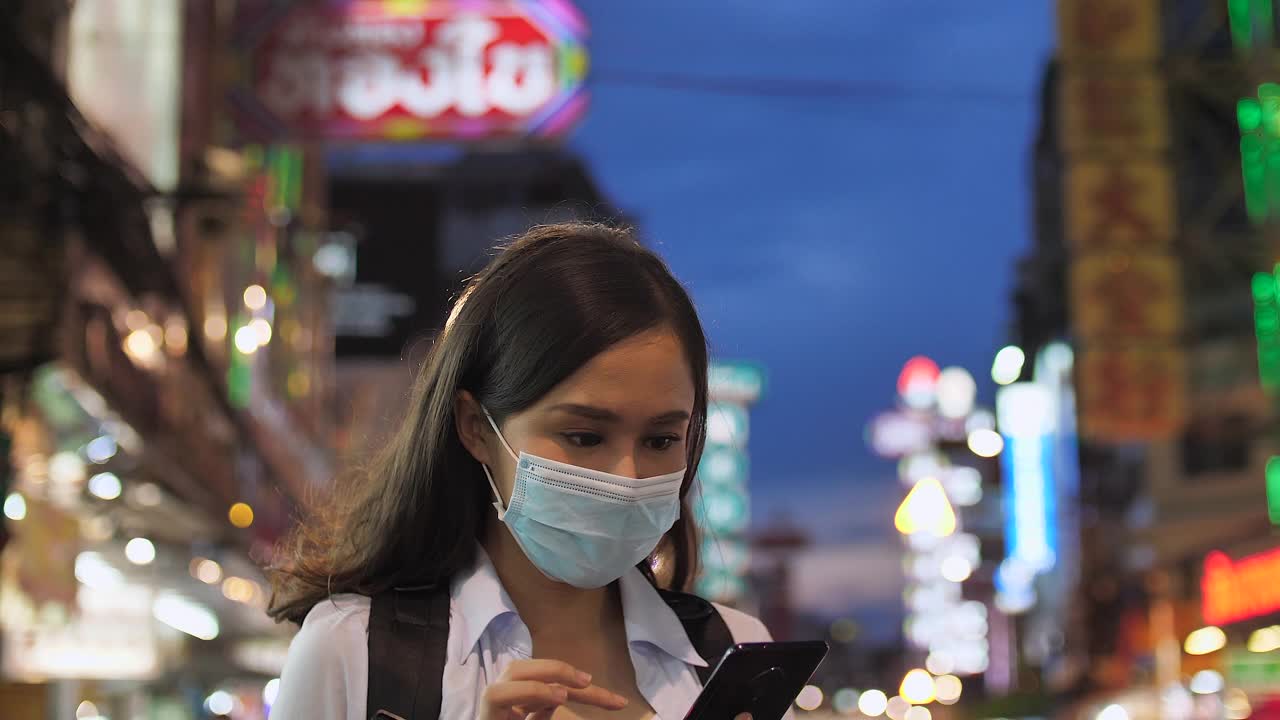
(472, 426)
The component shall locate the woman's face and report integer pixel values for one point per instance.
(625, 412)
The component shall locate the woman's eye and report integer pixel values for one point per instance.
(583, 439)
(662, 443)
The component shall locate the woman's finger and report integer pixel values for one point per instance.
(528, 694)
(598, 697)
(548, 671)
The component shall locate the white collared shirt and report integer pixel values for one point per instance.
(326, 674)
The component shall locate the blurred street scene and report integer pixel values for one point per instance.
(992, 291)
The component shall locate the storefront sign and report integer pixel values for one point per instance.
(1234, 590)
(1112, 205)
(1113, 112)
(1120, 219)
(1126, 296)
(396, 70)
(1134, 393)
(1110, 29)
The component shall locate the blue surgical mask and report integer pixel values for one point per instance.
(581, 526)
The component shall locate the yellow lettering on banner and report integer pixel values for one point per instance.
(1117, 112)
(1126, 296)
(1132, 394)
(1114, 204)
(1109, 30)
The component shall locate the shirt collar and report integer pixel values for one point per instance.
(478, 598)
(650, 620)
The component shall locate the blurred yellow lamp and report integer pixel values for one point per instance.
(926, 509)
(918, 687)
(1205, 640)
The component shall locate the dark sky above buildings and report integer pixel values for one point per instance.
(842, 184)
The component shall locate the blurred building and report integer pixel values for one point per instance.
(152, 453)
(406, 234)
(1144, 259)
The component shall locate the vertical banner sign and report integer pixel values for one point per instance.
(721, 505)
(1027, 415)
(1125, 282)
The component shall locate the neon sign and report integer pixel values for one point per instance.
(1027, 415)
(1234, 590)
(412, 69)
(918, 382)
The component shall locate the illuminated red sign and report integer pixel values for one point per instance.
(412, 69)
(917, 381)
(1234, 590)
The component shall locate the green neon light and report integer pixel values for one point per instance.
(1266, 324)
(1252, 23)
(1241, 23)
(239, 380)
(1273, 489)
(1259, 122)
(1249, 114)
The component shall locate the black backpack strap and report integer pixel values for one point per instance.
(408, 637)
(705, 627)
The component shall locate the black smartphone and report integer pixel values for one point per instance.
(758, 678)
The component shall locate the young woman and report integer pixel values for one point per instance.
(500, 558)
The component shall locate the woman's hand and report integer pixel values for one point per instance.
(535, 688)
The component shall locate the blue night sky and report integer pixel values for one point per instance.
(828, 234)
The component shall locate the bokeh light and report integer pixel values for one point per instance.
(985, 443)
(873, 703)
(918, 713)
(918, 687)
(240, 515)
(1007, 367)
(140, 551)
(105, 486)
(1206, 682)
(246, 340)
(926, 510)
(255, 297)
(219, 702)
(1264, 640)
(1205, 640)
(845, 701)
(810, 698)
(949, 689)
(15, 506)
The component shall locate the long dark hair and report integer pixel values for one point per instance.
(550, 301)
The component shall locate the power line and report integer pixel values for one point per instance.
(801, 88)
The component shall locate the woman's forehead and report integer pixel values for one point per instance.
(648, 375)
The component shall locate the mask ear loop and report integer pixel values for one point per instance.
(494, 425)
(497, 496)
